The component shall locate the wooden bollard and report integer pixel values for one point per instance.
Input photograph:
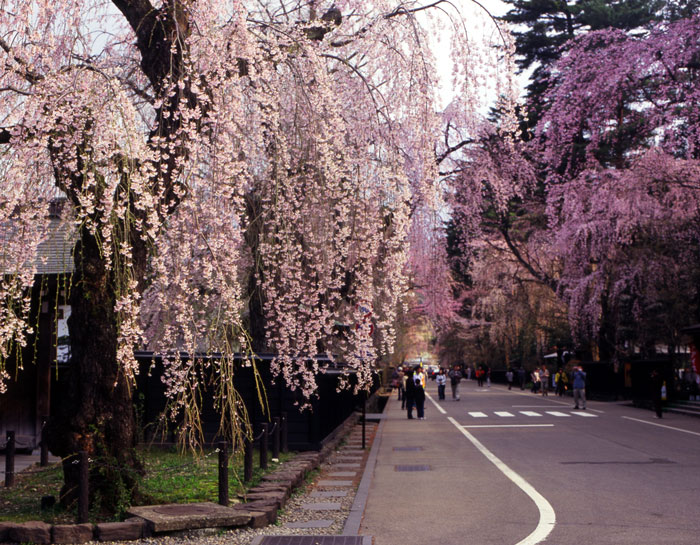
(10, 459)
(263, 446)
(283, 433)
(276, 438)
(247, 459)
(44, 453)
(84, 487)
(223, 473)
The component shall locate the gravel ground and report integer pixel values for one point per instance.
(293, 511)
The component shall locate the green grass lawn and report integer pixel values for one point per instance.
(171, 477)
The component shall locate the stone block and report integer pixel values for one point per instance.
(30, 532)
(271, 488)
(279, 497)
(288, 478)
(72, 533)
(120, 531)
(267, 507)
(189, 516)
(5, 531)
(258, 519)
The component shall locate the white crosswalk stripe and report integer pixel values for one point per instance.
(532, 414)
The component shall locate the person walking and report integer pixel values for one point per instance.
(419, 396)
(418, 372)
(401, 385)
(579, 384)
(480, 376)
(410, 393)
(509, 378)
(560, 380)
(521, 377)
(441, 381)
(544, 379)
(657, 384)
(455, 378)
(535, 376)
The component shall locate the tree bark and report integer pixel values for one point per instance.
(97, 414)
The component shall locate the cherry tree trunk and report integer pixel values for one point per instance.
(97, 414)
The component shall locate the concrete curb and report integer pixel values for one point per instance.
(357, 511)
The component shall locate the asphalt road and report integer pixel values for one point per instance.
(510, 467)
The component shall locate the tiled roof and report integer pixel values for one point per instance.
(55, 254)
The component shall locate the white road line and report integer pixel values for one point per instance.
(557, 413)
(508, 426)
(530, 413)
(547, 516)
(589, 415)
(504, 414)
(661, 425)
(442, 411)
(478, 414)
(549, 406)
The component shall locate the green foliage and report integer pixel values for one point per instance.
(170, 477)
(22, 502)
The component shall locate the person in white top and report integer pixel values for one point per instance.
(441, 380)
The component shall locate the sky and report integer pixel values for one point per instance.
(478, 22)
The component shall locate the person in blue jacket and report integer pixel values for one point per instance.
(579, 385)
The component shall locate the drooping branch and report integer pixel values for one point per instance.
(27, 73)
(540, 276)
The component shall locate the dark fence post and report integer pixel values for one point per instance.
(223, 473)
(263, 446)
(10, 459)
(284, 430)
(247, 459)
(44, 457)
(83, 491)
(276, 438)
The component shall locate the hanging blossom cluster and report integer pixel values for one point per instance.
(487, 80)
(629, 234)
(336, 198)
(287, 143)
(621, 147)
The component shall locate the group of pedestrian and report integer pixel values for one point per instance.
(540, 380)
(410, 383)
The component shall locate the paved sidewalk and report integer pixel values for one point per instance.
(424, 485)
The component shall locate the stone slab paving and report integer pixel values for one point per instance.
(323, 506)
(327, 482)
(329, 494)
(343, 474)
(322, 523)
(166, 518)
(347, 464)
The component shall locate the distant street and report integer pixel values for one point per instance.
(510, 467)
